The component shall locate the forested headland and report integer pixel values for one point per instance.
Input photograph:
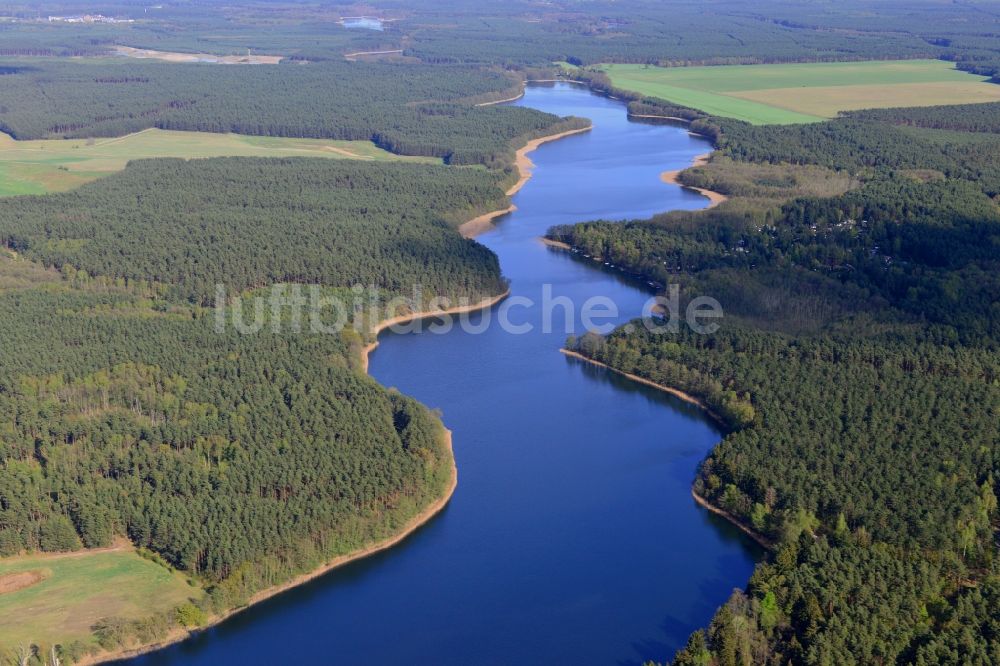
(241, 460)
(858, 370)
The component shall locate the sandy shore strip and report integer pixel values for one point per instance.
(484, 222)
(652, 116)
(412, 525)
(524, 87)
(524, 165)
(503, 101)
(358, 54)
(759, 538)
(554, 243)
(686, 397)
(427, 314)
(671, 178)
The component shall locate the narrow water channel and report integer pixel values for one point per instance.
(572, 537)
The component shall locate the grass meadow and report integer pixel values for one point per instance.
(56, 165)
(805, 92)
(72, 591)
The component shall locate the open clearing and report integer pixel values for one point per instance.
(805, 92)
(67, 593)
(170, 56)
(56, 165)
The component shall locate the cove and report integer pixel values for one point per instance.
(572, 536)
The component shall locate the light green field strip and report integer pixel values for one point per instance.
(36, 167)
(77, 589)
(828, 101)
(805, 92)
(718, 105)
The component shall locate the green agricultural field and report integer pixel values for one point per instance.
(54, 165)
(46, 599)
(805, 92)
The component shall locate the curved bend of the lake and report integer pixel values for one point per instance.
(572, 536)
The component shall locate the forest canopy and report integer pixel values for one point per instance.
(250, 222)
(858, 371)
(406, 109)
(241, 460)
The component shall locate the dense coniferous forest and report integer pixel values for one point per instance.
(859, 372)
(239, 459)
(960, 117)
(247, 222)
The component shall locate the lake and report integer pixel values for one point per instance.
(572, 536)
(363, 22)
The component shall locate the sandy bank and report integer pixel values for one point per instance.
(358, 54)
(524, 165)
(686, 397)
(483, 223)
(653, 116)
(759, 538)
(426, 314)
(524, 87)
(555, 243)
(504, 101)
(672, 178)
(412, 525)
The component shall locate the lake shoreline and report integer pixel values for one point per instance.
(484, 223)
(426, 314)
(673, 178)
(677, 393)
(414, 524)
(365, 347)
(760, 539)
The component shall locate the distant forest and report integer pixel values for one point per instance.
(411, 110)
(523, 33)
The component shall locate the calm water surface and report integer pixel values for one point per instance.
(572, 537)
(363, 22)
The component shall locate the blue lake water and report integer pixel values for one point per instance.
(363, 22)
(572, 536)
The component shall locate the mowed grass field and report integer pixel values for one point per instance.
(37, 167)
(805, 92)
(77, 589)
